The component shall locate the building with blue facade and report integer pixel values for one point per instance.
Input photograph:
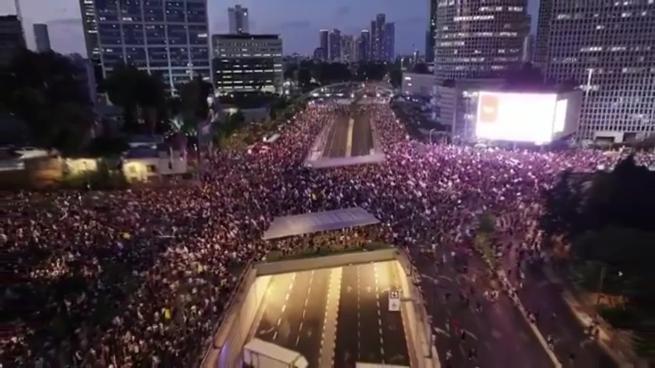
(164, 37)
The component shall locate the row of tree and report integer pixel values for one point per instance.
(608, 220)
(50, 94)
(43, 91)
(310, 74)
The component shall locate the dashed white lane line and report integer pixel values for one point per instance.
(284, 306)
(377, 302)
(304, 308)
(349, 137)
(359, 325)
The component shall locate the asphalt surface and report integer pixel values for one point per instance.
(337, 140)
(294, 310)
(494, 336)
(544, 297)
(294, 313)
(373, 334)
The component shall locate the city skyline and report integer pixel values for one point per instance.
(297, 27)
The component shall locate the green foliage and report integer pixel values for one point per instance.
(193, 98)
(487, 224)
(141, 95)
(228, 127)
(645, 344)
(371, 71)
(106, 146)
(45, 91)
(421, 68)
(611, 227)
(482, 243)
(328, 73)
(483, 239)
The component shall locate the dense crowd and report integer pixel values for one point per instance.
(140, 277)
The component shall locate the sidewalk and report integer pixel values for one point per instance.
(543, 299)
(609, 339)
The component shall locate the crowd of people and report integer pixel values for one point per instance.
(141, 277)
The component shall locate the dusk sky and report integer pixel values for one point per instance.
(298, 21)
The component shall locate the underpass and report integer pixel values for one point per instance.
(294, 315)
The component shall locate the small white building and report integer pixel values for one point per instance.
(143, 164)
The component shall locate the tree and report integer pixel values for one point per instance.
(46, 92)
(193, 101)
(421, 68)
(395, 77)
(371, 71)
(562, 204)
(141, 95)
(612, 237)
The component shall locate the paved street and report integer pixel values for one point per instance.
(374, 335)
(498, 333)
(542, 296)
(294, 314)
(350, 136)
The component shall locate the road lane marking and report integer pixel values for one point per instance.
(377, 303)
(284, 307)
(349, 137)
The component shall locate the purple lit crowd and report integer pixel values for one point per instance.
(141, 277)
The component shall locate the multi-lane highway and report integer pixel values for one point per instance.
(294, 315)
(294, 312)
(349, 136)
(367, 331)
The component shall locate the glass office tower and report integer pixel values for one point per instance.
(164, 37)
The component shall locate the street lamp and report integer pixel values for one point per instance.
(430, 134)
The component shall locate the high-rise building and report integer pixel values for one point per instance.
(389, 47)
(41, 37)
(246, 63)
(169, 38)
(324, 38)
(543, 25)
(347, 49)
(430, 33)
(363, 46)
(238, 19)
(475, 39)
(528, 47)
(11, 38)
(608, 51)
(90, 26)
(377, 38)
(335, 45)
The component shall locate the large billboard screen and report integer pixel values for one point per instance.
(519, 117)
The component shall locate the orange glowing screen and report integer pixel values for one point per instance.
(489, 109)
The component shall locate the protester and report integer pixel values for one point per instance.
(141, 277)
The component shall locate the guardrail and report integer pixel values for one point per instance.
(211, 343)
